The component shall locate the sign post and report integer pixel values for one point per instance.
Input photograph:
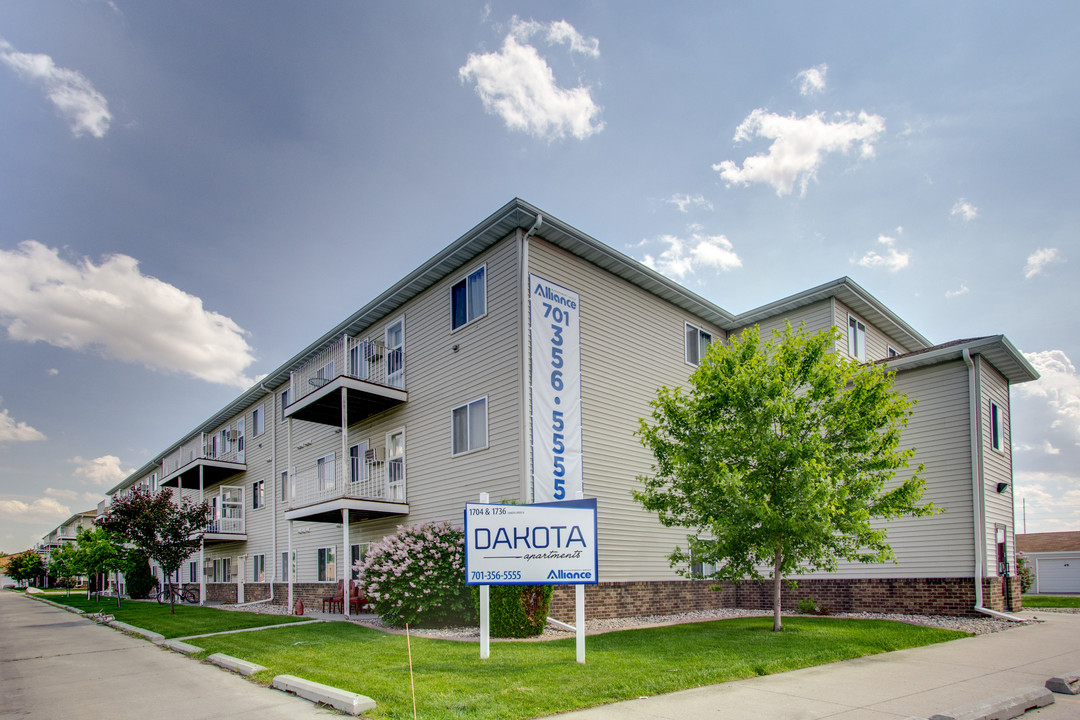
(544, 544)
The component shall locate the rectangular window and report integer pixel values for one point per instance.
(357, 553)
(395, 465)
(193, 572)
(258, 568)
(468, 427)
(285, 488)
(153, 483)
(221, 570)
(328, 564)
(856, 339)
(258, 494)
(285, 400)
(285, 566)
(395, 354)
(891, 352)
(996, 430)
(258, 421)
(326, 472)
(358, 462)
(697, 342)
(468, 298)
(704, 569)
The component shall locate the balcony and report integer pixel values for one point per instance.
(374, 488)
(370, 375)
(215, 458)
(227, 513)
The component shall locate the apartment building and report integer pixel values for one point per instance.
(64, 534)
(442, 388)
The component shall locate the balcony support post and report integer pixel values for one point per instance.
(346, 553)
(202, 545)
(291, 567)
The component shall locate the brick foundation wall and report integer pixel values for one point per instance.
(221, 592)
(916, 596)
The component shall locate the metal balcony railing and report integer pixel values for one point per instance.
(358, 358)
(374, 480)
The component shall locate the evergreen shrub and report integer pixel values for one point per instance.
(517, 611)
(139, 579)
(417, 576)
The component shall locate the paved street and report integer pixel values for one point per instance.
(55, 665)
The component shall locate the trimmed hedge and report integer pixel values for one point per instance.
(517, 611)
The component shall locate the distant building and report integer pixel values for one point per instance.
(427, 396)
(1054, 558)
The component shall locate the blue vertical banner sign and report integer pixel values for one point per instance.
(554, 319)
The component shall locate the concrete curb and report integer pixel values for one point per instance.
(156, 638)
(1065, 684)
(181, 647)
(348, 702)
(228, 662)
(1001, 707)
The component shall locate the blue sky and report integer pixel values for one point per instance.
(190, 192)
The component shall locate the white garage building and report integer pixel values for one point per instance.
(1054, 557)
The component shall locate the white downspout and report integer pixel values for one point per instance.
(978, 510)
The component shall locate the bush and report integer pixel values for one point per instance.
(137, 576)
(517, 611)
(1027, 576)
(417, 576)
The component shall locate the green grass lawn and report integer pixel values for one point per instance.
(188, 620)
(526, 679)
(1051, 601)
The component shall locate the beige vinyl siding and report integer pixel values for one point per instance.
(814, 317)
(877, 342)
(631, 343)
(997, 465)
(940, 545)
(438, 378)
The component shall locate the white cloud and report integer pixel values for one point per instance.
(52, 372)
(684, 257)
(962, 290)
(104, 471)
(85, 499)
(38, 510)
(1045, 447)
(74, 97)
(1040, 259)
(115, 310)
(1059, 385)
(893, 260)
(518, 85)
(11, 431)
(1047, 501)
(812, 80)
(965, 210)
(685, 202)
(799, 146)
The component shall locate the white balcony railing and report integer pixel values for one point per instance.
(374, 480)
(227, 510)
(222, 446)
(357, 358)
(228, 525)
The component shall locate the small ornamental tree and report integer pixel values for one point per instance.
(167, 532)
(26, 566)
(99, 551)
(417, 576)
(64, 565)
(780, 455)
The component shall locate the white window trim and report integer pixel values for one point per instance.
(860, 328)
(283, 399)
(700, 331)
(404, 455)
(465, 278)
(255, 494)
(255, 430)
(468, 428)
(996, 418)
(332, 565)
(386, 342)
(891, 352)
(255, 561)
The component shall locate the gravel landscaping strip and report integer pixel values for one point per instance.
(974, 625)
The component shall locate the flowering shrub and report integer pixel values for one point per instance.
(417, 576)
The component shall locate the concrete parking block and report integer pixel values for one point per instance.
(228, 662)
(182, 647)
(348, 702)
(1065, 684)
(1001, 707)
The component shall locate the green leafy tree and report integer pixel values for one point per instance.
(100, 551)
(64, 565)
(166, 531)
(26, 566)
(780, 454)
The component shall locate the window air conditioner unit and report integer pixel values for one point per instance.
(375, 454)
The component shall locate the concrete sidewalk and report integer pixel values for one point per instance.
(55, 665)
(917, 682)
